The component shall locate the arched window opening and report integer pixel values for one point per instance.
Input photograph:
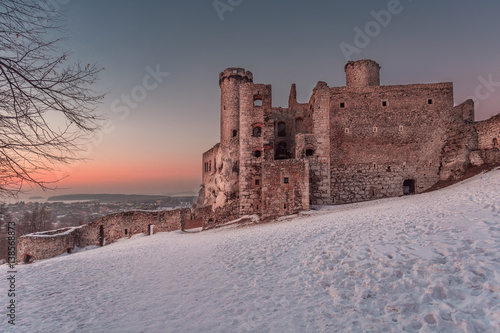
(257, 132)
(281, 129)
(257, 153)
(257, 101)
(299, 125)
(495, 143)
(309, 152)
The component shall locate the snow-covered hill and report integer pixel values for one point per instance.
(426, 263)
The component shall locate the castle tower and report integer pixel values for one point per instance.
(362, 73)
(229, 82)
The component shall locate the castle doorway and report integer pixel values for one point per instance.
(150, 229)
(101, 236)
(27, 258)
(409, 187)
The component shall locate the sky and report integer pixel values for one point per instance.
(162, 60)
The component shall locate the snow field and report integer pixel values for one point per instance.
(422, 263)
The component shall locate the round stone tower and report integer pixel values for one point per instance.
(229, 82)
(362, 73)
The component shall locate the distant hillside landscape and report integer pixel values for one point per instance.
(120, 198)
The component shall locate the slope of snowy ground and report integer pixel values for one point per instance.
(426, 263)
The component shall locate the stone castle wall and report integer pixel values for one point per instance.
(384, 135)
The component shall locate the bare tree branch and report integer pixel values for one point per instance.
(47, 105)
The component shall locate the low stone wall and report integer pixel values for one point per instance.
(43, 245)
(115, 226)
(102, 231)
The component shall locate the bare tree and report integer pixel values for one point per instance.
(38, 219)
(47, 105)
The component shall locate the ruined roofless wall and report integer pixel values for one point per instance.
(48, 244)
(489, 133)
(134, 222)
(53, 243)
(384, 135)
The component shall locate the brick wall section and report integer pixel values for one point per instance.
(280, 198)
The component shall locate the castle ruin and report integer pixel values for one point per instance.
(348, 144)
